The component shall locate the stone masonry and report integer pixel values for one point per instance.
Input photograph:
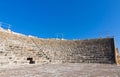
(20, 49)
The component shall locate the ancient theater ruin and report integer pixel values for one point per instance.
(17, 48)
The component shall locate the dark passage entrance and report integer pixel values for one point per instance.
(31, 60)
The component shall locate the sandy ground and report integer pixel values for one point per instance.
(61, 70)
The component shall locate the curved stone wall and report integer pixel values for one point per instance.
(76, 51)
(20, 49)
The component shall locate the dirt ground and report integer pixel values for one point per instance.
(61, 70)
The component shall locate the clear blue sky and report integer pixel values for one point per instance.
(76, 19)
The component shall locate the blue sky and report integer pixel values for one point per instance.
(75, 19)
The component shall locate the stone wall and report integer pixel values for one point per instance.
(20, 49)
(76, 51)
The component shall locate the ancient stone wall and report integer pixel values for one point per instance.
(20, 49)
(76, 51)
